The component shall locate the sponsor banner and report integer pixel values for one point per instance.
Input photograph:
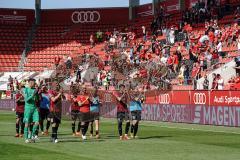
(144, 10)
(199, 97)
(169, 113)
(180, 97)
(86, 16)
(233, 99)
(7, 104)
(217, 115)
(199, 107)
(172, 6)
(220, 98)
(17, 15)
(158, 97)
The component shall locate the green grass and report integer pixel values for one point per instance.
(160, 141)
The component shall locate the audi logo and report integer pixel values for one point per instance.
(108, 97)
(86, 17)
(164, 99)
(199, 98)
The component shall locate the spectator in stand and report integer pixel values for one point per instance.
(220, 82)
(186, 75)
(99, 36)
(112, 43)
(91, 39)
(205, 83)
(238, 44)
(68, 62)
(144, 32)
(208, 58)
(172, 36)
(57, 61)
(107, 35)
(215, 57)
(181, 75)
(92, 77)
(175, 62)
(203, 39)
(10, 83)
(237, 13)
(79, 71)
(214, 82)
(219, 49)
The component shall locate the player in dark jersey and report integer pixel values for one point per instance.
(136, 100)
(56, 97)
(19, 112)
(84, 104)
(44, 110)
(75, 115)
(122, 112)
(95, 113)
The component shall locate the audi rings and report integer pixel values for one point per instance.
(164, 98)
(86, 17)
(199, 98)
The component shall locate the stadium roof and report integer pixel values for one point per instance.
(54, 4)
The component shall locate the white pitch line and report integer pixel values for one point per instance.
(192, 129)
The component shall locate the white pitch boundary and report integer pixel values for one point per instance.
(192, 129)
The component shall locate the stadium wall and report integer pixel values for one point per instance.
(198, 107)
(65, 16)
(17, 15)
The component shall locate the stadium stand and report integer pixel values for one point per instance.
(13, 37)
(192, 49)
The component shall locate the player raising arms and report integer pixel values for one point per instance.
(19, 111)
(84, 104)
(31, 114)
(94, 112)
(136, 100)
(56, 97)
(122, 112)
(75, 114)
(44, 109)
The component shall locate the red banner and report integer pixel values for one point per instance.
(144, 10)
(199, 107)
(81, 16)
(17, 15)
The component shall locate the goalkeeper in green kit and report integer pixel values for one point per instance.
(31, 114)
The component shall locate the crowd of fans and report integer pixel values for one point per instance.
(171, 53)
(153, 61)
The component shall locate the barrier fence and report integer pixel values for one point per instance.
(199, 107)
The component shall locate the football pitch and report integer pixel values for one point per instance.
(157, 140)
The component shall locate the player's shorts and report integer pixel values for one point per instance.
(55, 118)
(123, 116)
(44, 113)
(31, 115)
(84, 117)
(136, 115)
(74, 115)
(19, 115)
(94, 116)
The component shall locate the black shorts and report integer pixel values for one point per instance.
(94, 116)
(136, 115)
(19, 115)
(44, 113)
(123, 116)
(84, 117)
(74, 115)
(55, 118)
